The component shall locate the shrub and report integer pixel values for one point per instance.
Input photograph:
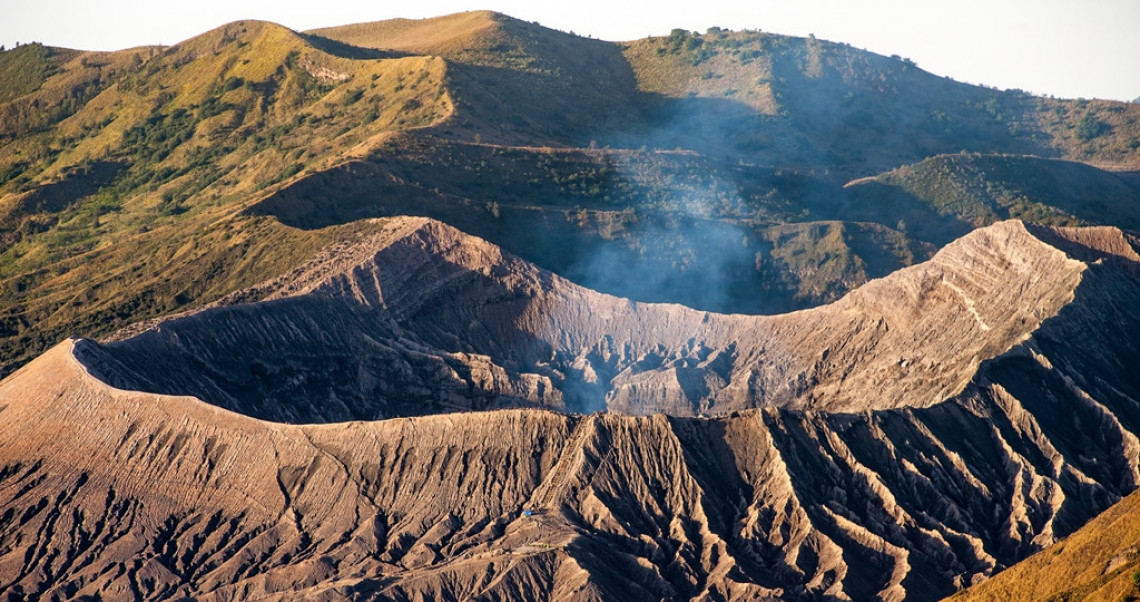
(352, 96)
(1090, 127)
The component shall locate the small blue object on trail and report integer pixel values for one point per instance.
(528, 512)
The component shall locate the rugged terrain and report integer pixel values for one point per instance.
(472, 308)
(906, 488)
(421, 318)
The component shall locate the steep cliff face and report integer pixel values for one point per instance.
(1018, 425)
(422, 318)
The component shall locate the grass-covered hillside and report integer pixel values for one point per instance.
(708, 169)
(808, 101)
(1101, 561)
(516, 82)
(125, 205)
(763, 97)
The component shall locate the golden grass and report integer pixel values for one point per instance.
(240, 111)
(1098, 562)
(437, 35)
(721, 75)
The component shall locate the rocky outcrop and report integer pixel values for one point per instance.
(897, 496)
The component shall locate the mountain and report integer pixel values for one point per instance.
(715, 163)
(467, 307)
(514, 83)
(771, 98)
(968, 432)
(126, 208)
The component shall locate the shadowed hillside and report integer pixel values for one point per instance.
(805, 101)
(764, 97)
(946, 196)
(516, 82)
(653, 225)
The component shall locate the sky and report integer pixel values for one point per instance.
(1064, 48)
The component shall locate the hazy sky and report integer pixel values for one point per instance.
(1067, 48)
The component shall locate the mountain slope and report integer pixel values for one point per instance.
(163, 496)
(770, 98)
(515, 82)
(44, 86)
(249, 78)
(773, 99)
(802, 101)
(1098, 562)
(946, 196)
(133, 212)
(435, 36)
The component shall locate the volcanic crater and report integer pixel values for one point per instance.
(329, 434)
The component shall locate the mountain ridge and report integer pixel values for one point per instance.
(911, 339)
(415, 35)
(902, 503)
(939, 469)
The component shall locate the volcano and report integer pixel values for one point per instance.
(915, 437)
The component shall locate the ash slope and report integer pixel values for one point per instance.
(155, 497)
(422, 319)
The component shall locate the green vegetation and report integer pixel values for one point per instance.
(154, 161)
(821, 261)
(24, 69)
(807, 101)
(42, 86)
(686, 43)
(1090, 127)
(145, 275)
